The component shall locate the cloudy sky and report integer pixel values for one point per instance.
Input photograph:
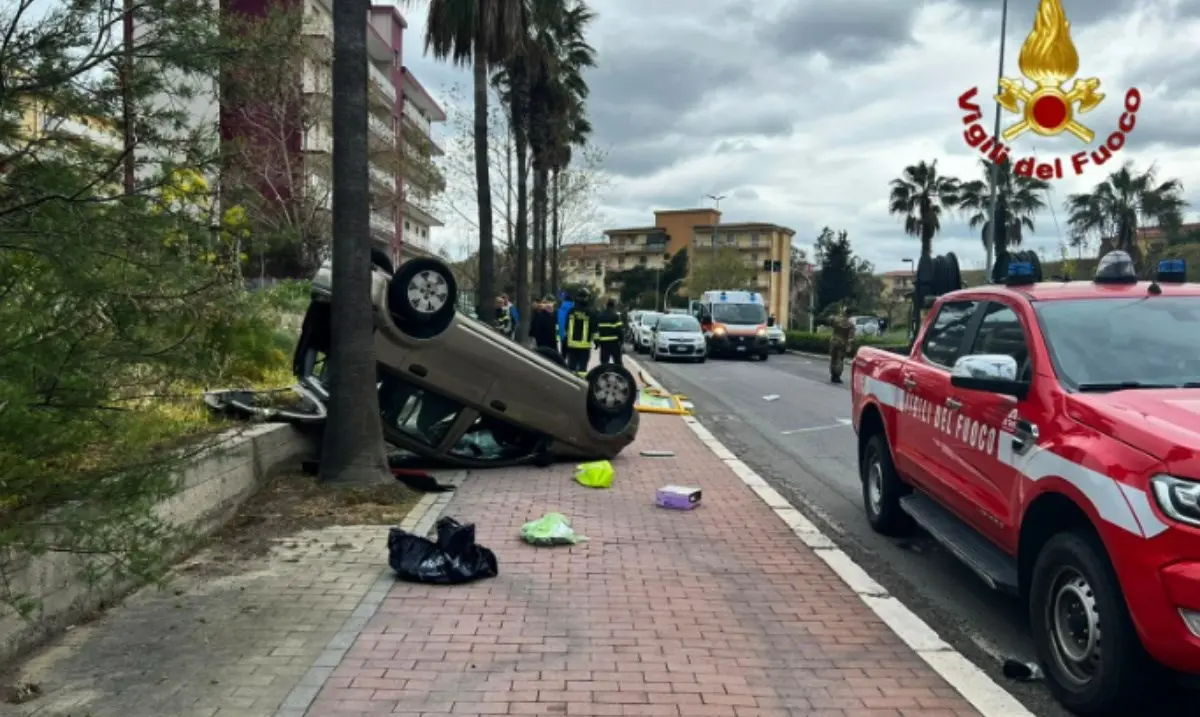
(801, 111)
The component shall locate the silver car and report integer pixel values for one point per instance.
(777, 338)
(644, 330)
(678, 336)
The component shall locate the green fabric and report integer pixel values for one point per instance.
(550, 529)
(597, 474)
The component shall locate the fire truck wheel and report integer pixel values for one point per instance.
(883, 489)
(1095, 663)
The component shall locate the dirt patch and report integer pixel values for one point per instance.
(293, 502)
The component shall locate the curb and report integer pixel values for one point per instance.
(420, 520)
(984, 694)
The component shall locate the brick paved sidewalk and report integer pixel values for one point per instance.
(721, 611)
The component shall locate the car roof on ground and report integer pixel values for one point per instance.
(1068, 290)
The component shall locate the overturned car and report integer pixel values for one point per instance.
(453, 390)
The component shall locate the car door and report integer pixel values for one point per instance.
(926, 383)
(986, 482)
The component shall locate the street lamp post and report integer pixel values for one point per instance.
(989, 245)
(667, 293)
(718, 197)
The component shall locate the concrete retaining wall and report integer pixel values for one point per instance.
(213, 486)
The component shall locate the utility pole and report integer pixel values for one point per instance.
(990, 244)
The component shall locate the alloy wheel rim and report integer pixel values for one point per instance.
(611, 390)
(428, 292)
(875, 486)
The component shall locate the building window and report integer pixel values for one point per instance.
(642, 260)
(755, 239)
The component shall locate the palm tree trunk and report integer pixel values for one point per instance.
(539, 230)
(544, 219)
(535, 221)
(554, 210)
(522, 273)
(353, 443)
(483, 186)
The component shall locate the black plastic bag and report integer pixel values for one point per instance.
(453, 559)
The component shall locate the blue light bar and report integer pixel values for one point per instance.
(1019, 268)
(1172, 270)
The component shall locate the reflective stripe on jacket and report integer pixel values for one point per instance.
(579, 331)
(608, 327)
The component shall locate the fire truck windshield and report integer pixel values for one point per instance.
(1148, 342)
(739, 313)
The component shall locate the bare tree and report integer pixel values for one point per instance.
(277, 92)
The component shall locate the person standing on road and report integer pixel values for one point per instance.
(581, 332)
(839, 345)
(542, 327)
(610, 331)
(503, 315)
(564, 310)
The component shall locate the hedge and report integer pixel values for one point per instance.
(818, 343)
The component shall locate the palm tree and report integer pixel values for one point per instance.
(352, 449)
(558, 114)
(543, 86)
(1018, 199)
(920, 195)
(1124, 202)
(483, 34)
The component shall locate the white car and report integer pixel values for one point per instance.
(866, 326)
(777, 338)
(643, 331)
(678, 336)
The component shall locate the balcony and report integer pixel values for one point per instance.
(382, 225)
(383, 178)
(412, 114)
(318, 139)
(382, 129)
(382, 82)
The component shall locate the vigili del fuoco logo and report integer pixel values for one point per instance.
(1049, 60)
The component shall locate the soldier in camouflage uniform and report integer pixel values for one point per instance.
(839, 345)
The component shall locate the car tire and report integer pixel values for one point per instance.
(1073, 572)
(883, 489)
(702, 359)
(654, 354)
(612, 389)
(764, 356)
(422, 297)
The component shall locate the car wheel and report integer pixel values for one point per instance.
(883, 489)
(702, 359)
(1090, 652)
(764, 356)
(654, 354)
(422, 296)
(611, 389)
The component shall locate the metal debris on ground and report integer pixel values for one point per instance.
(550, 529)
(658, 454)
(295, 404)
(772, 397)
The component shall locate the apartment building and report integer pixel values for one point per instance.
(401, 119)
(586, 265)
(765, 246)
(897, 283)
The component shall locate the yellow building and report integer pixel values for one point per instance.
(897, 283)
(701, 230)
(586, 264)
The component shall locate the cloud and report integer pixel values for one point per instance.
(800, 112)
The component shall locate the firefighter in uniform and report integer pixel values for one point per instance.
(581, 332)
(839, 345)
(610, 331)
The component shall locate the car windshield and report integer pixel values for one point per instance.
(650, 320)
(1110, 344)
(679, 323)
(739, 313)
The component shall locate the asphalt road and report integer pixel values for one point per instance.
(802, 443)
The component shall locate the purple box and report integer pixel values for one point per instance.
(677, 497)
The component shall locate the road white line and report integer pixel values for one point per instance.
(972, 683)
(842, 423)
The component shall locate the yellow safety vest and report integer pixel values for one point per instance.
(578, 331)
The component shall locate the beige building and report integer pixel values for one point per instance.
(897, 283)
(700, 230)
(586, 264)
